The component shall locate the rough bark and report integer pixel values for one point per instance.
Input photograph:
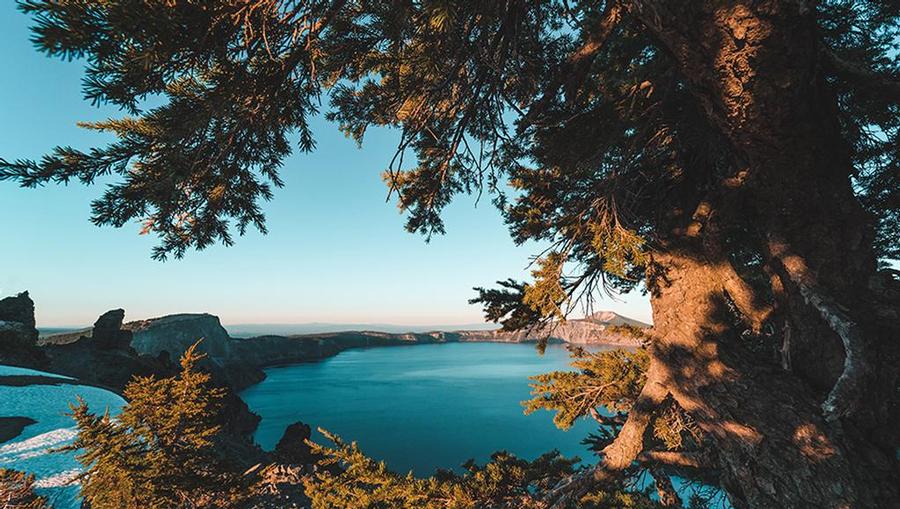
(664, 489)
(773, 445)
(758, 69)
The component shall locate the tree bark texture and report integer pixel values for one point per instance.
(821, 433)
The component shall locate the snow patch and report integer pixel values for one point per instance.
(16, 371)
(36, 446)
(67, 478)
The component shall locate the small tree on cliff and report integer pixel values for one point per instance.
(158, 452)
(740, 158)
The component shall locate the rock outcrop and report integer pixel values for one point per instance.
(171, 335)
(292, 447)
(108, 334)
(19, 309)
(103, 355)
(18, 335)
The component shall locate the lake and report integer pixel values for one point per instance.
(420, 407)
(33, 450)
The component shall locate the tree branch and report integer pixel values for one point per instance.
(623, 451)
(571, 74)
(846, 395)
(867, 78)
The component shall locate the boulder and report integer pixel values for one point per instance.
(292, 448)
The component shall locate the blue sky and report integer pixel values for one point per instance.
(335, 252)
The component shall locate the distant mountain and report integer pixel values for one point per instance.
(600, 328)
(50, 331)
(247, 330)
(614, 319)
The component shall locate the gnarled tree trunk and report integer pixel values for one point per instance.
(773, 446)
(823, 434)
(757, 69)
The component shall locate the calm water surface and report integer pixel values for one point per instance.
(420, 407)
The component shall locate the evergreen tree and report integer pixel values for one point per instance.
(349, 479)
(738, 158)
(158, 452)
(17, 491)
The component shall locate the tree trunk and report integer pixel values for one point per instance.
(773, 446)
(825, 437)
(756, 67)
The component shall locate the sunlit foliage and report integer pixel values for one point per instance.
(609, 379)
(17, 491)
(158, 452)
(348, 479)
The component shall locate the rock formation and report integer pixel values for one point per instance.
(171, 335)
(103, 355)
(18, 335)
(292, 447)
(19, 309)
(108, 333)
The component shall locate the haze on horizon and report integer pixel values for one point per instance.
(336, 252)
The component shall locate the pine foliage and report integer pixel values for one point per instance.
(17, 491)
(568, 112)
(609, 379)
(159, 451)
(348, 479)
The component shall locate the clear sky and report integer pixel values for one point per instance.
(335, 252)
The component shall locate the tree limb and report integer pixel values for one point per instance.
(571, 74)
(867, 78)
(846, 395)
(623, 451)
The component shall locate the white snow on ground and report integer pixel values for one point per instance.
(38, 444)
(62, 479)
(32, 451)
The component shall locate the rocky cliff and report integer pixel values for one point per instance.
(170, 335)
(601, 328)
(18, 335)
(239, 362)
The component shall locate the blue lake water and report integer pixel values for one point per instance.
(33, 450)
(420, 407)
